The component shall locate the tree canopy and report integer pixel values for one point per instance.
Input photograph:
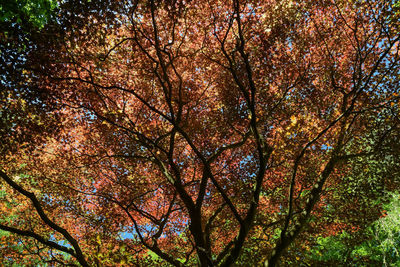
(196, 133)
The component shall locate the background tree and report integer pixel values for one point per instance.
(204, 133)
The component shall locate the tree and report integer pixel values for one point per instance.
(202, 133)
(21, 105)
(379, 248)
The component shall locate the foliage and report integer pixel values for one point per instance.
(22, 108)
(379, 245)
(387, 233)
(197, 133)
(36, 12)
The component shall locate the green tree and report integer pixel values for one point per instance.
(377, 244)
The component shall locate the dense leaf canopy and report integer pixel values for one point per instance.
(196, 133)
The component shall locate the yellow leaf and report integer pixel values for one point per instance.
(98, 239)
(293, 119)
